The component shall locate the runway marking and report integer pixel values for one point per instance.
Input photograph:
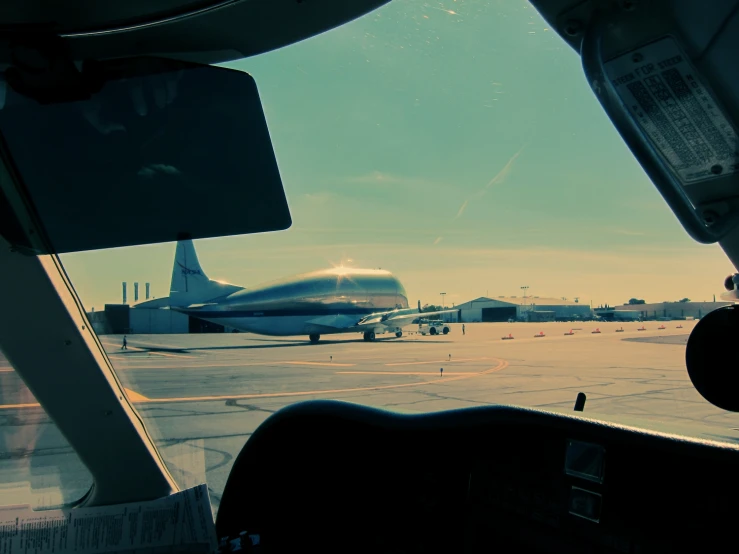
(603, 335)
(145, 349)
(122, 356)
(18, 406)
(405, 373)
(118, 346)
(133, 396)
(138, 398)
(171, 355)
(187, 365)
(447, 361)
(502, 364)
(7, 370)
(145, 345)
(319, 363)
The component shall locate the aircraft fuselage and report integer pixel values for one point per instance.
(320, 302)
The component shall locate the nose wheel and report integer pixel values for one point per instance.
(314, 338)
(369, 335)
(399, 334)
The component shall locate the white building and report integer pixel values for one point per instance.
(529, 308)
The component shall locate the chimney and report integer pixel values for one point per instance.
(135, 292)
(147, 290)
(124, 292)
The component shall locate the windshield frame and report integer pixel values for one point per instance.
(40, 304)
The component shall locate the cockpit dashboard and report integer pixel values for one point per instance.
(348, 478)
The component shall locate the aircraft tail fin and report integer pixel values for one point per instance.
(190, 284)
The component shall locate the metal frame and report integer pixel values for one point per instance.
(649, 158)
(46, 336)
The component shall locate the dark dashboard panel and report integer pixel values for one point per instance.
(341, 477)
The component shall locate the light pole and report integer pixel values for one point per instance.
(443, 294)
(524, 289)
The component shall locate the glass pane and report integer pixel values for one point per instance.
(454, 153)
(37, 465)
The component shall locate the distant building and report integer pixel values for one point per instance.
(530, 308)
(149, 317)
(610, 314)
(660, 310)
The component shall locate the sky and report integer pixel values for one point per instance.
(456, 144)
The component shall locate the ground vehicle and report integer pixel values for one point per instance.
(268, 491)
(433, 327)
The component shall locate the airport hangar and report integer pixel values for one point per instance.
(528, 308)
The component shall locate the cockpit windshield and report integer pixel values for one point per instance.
(454, 152)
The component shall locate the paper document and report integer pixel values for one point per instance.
(181, 522)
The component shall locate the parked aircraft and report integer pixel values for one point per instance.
(323, 302)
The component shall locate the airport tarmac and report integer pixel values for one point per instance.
(201, 396)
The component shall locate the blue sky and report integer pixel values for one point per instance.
(456, 144)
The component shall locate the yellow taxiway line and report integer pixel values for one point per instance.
(447, 361)
(502, 364)
(121, 356)
(137, 398)
(330, 364)
(144, 349)
(133, 396)
(406, 373)
(19, 406)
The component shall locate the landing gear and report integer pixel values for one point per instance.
(369, 335)
(399, 334)
(314, 338)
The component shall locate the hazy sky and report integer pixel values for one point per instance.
(456, 144)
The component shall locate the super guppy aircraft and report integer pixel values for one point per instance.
(328, 301)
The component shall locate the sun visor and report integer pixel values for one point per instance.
(134, 151)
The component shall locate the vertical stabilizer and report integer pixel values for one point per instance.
(190, 284)
(187, 275)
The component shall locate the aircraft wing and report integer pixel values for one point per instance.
(373, 321)
(189, 307)
(407, 319)
(335, 321)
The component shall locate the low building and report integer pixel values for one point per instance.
(662, 310)
(611, 314)
(147, 318)
(529, 308)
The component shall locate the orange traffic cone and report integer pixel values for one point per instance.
(570, 333)
(509, 337)
(621, 330)
(596, 332)
(541, 334)
(642, 328)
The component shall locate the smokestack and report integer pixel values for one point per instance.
(135, 292)
(147, 290)
(124, 292)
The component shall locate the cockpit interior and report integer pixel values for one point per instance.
(334, 475)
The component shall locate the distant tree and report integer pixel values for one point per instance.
(431, 308)
(633, 301)
(684, 300)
